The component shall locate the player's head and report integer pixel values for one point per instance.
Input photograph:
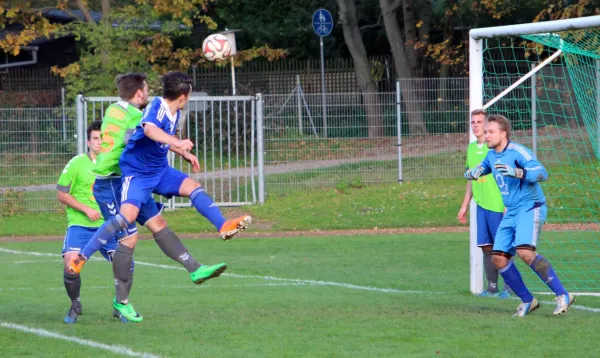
(94, 141)
(133, 88)
(497, 132)
(177, 87)
(478, 119)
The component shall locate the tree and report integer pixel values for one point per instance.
(405, 56)
(361, 67)
(129, 37)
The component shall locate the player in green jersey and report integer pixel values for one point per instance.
(490, 208)
(118, 124)
(83, 214)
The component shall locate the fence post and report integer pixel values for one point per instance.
(260, 148)
(399, 130)
(64, 117)
(80, 124)
(299, 98)
(533, 113)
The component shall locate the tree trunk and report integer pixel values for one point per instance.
(362, 68)
(410, 35)
(425, 14)
(416, 125)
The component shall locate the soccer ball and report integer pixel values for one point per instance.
(216, 47)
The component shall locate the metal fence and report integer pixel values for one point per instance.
(225, 135)
(417, 132)
(35, 145)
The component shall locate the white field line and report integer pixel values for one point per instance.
(183, 287)
(298, 281)
(85, 342)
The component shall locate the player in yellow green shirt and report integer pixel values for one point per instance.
(83, 214)
(490, 208)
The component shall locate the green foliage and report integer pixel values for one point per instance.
(11, 202)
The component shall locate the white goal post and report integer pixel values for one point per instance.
(476, 73)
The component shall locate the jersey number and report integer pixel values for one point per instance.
(108, 142)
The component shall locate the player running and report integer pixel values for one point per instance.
(83, 215)
(490, 207)
(517, 174)
(146, 171)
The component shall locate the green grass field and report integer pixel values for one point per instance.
(356, 296)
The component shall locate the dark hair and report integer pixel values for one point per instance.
(95, 126)
(479, 111)
(128, 84)
(503, 123)
(176, 84)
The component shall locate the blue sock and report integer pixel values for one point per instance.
(207, 207)
(104, 234)
(512, 277)
(544, 270)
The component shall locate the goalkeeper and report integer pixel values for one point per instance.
(490, 207)
(518, 173)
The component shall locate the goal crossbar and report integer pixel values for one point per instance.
(536, 27)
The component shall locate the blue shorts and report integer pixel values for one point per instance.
(487, 226)
(107, 192)
(78, 236)
(520, 227)
(138, 188)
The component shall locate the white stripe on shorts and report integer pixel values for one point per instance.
(536, 226)
(125, 188)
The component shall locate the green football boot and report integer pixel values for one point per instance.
(204, 272)
(127, 311)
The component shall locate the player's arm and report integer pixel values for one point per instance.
(70, 201)
(64, 193)
(483, 168)
(462, 213)
(530, 169)
(153, 132)
(188, 157)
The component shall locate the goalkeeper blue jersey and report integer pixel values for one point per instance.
(517, 192)
(142, 154)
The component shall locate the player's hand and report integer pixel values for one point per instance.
(93, 214)
(509, 171)
(193, 160)
(473, 174)
(184, 144)
(462, 215)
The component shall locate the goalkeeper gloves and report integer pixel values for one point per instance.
(473, 174)
(509, 171)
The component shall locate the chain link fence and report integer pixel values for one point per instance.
(35, 145)
(311, 141)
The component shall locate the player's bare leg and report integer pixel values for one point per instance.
(73, 286)
(172, 246)
(205, 205)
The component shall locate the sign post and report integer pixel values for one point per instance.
(322, 22)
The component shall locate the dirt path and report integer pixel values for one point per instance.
(316, 233)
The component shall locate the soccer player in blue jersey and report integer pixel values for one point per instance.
(518, 173)
(145, 170)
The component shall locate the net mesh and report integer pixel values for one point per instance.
(556, 112)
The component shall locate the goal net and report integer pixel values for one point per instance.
(545, 78)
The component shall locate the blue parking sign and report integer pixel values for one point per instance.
(322, 22)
